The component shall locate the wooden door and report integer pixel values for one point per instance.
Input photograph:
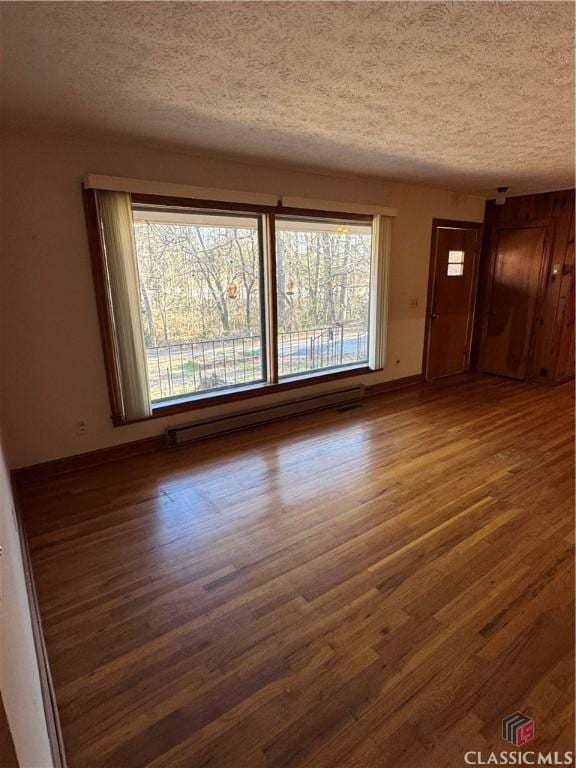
(566, 317)
(451, 297)
(518, 265)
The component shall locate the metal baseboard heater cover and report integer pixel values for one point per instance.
(223, 424)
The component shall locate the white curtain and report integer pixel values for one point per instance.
(115, 213)
(381, 245)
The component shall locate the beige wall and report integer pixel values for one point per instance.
(53, 368)
(19, 676)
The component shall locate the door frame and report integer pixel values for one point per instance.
(549, 233)
(447, 224)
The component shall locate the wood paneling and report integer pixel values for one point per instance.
(514, 292)
(375, 587)
(551, 350)
(489, 233)
(558, 293)
(565, 319)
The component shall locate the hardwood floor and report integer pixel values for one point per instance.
(372, 588)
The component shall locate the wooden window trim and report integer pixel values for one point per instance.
(163, 201)
(251, 391)
(210, 399)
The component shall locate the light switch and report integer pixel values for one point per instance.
(413, 302)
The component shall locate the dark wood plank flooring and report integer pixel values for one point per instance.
(7, 753)
(372, 588)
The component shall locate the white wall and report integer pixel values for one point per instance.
(53, 367)
(19, 676)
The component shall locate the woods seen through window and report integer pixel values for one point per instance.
(210, 302)
(202, 278)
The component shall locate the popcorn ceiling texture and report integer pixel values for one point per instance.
(465, 95)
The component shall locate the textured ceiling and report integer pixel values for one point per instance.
(465, 95)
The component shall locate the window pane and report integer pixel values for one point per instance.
(456, 257)
(200, 279)
(323, 279)
(455, 270)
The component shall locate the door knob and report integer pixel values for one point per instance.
(434, 316)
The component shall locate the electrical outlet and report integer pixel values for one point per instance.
(81, 427)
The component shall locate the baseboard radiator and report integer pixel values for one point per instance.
(221, 425)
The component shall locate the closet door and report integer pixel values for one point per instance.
(516, 278)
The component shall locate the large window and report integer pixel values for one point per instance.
(201, 296)
(199, 302)
(323, 284)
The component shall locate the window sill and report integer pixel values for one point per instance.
(252, 391)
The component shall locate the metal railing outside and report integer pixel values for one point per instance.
(183, 368)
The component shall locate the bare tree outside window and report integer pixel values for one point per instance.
(200, 291)
(323, 283)
(201, 297)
